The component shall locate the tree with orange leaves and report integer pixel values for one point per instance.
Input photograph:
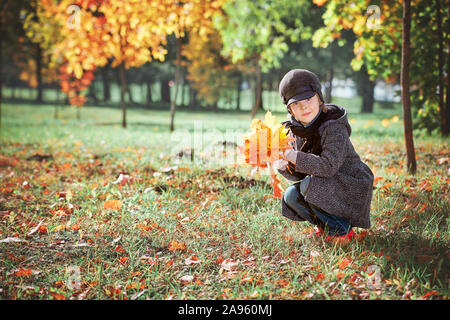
(91, 32)
(129, 33)
(196, 18)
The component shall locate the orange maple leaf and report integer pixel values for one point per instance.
(344, 263)
(23, 272)
(175, 245)
(277, 190)
(113, 204)
(263, 144)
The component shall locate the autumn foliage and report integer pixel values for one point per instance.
(263, 144)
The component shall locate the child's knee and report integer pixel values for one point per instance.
(290, 195)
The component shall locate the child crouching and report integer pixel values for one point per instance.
(333, 188)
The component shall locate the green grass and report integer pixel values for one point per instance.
(214, 210)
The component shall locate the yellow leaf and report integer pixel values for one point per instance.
(78, 70)
(270, 120)
(59, 228)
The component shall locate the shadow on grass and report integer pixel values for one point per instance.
(410, 254)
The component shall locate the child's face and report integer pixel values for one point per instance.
(305, 110)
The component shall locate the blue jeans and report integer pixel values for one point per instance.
(334, 226)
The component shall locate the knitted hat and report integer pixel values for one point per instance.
(299, 84)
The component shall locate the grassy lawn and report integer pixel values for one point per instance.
(184, 223)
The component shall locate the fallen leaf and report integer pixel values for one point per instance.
(320, 277)
(431, 293)
(116, 240)
(387, 185)
(137, 295)
(376, 179)
(11, 239)
(60, 228)
(192, 260)
(344, 263)
(23, 273)
(314, 253)
(229, 264)
(187, 278)
(423, 207)
(113, 204)
(84, 244)
(26, 185)
(175, 245)
(122, 179)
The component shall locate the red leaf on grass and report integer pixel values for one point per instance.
(344, 263)
(431, 293)
(23, 272)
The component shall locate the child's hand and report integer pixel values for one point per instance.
(280, 164)
(290, 155)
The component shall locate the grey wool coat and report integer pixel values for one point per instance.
(341, 184)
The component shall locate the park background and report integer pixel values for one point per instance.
(99, 198)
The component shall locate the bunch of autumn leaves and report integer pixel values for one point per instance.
(263, 145)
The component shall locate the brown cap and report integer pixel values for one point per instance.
(299, 84)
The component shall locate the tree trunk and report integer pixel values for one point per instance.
(165, 90)
(238, 92)
(177, 85)
(92, 92)
(105, 81)
(368, 97)
(185, 99)
(406, 99)
(192, 97)
(1, 67)
(447, 86)
(367, 89)
(258, 91)
(442, 108)
(130, 95)
(330, 76)
(58, 93)
(329, 87)
(149, 94)
(123, 90)
(39, 72)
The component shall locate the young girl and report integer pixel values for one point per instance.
(334, 187)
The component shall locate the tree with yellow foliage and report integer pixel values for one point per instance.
(92, 32)
(209, 71)
(194, 17)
